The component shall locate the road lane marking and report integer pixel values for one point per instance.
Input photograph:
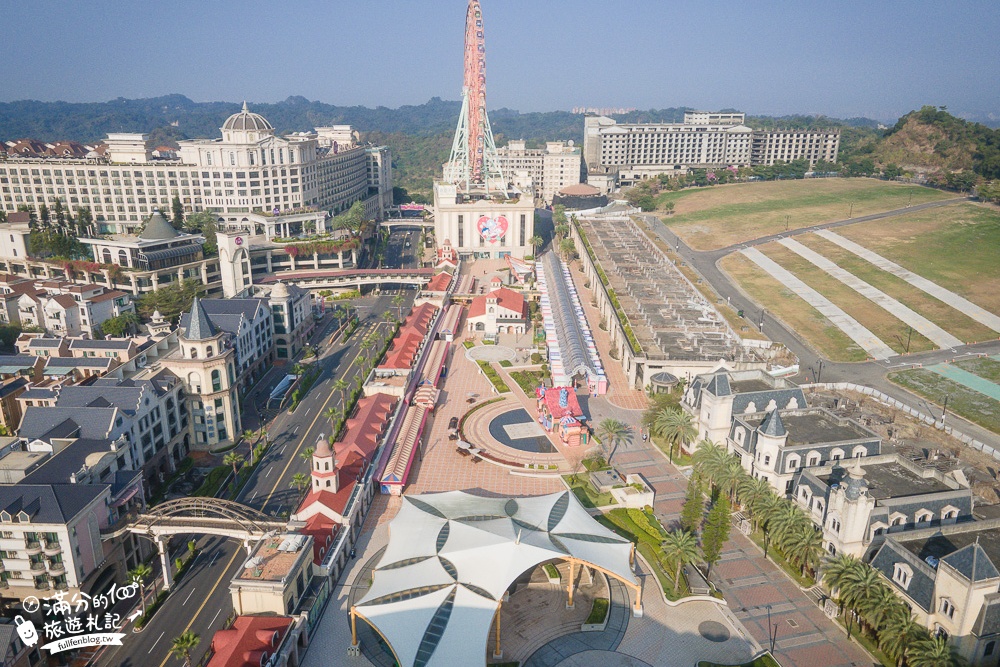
(215, 558)
(214, 618)
(269, 469)
(157, 641)
(310, 427)
(188, 597)
(236, 554)
(254, 495)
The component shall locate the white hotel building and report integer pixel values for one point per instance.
(249, 169)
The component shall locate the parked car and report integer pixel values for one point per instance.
(453, 422)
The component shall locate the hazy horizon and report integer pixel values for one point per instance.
(774, 58)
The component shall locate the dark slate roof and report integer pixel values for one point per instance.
(44, 343)
(123, 479)
(43, 423)
(57, 469)
(198, 326)
(772, 425)
(921, 586)
(49, 503)
(12, 386)
(246, 307)
(39, 393)
(24, 361)
(988, 621)
(158, 229)
(761, 399)
(78, 362)
(126, 398)
(109, 344)
(963, 560)
(719, 385)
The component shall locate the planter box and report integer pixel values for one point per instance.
(630, 496)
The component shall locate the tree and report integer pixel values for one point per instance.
(248, 435)
(730, 476)
(693, 509)
(750, 491)
(879, 606)
(715, 532)
(170, 299)
(333, 414)
(899, 632)
(232, 459)
(835, 572)
(341, 385)
(204, 223)
(307, 454)
(668, 207)
(182, 645)
(387, 317)
(138, 575)
(177, 213)
(613, 433)
(567, 249)
(763, 510)
(680, 547)
(60, 214)
(677, 427)
(353, 220)
(45, 216)
(858, 585)
(786, 520)
(300, 481)
(933, 651)
(84, 220)
(398, 301)
(121, 325)
(536, 242)
(804, 547)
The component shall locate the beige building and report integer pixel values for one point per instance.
(276, 576)
(481, 227)
(550, 169)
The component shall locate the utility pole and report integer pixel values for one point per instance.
(851, 213)
(819, 376)
(909, 334)
(786, 223)
(761, 325)
(944, 410)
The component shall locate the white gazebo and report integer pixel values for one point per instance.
(451, 557)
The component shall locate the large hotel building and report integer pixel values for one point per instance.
(249, 169)
(621, 154)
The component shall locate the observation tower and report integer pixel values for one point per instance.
(474, 165)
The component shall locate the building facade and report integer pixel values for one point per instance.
(484, 227)
(550, 169)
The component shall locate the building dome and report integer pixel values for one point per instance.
(247, 121)
(279, 291)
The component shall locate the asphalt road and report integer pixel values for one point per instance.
(201, 601)
(814, 367)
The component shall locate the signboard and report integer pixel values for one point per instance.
(492, 229)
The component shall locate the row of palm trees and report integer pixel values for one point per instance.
(182, 645)
(863, 596)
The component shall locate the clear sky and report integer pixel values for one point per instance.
(877, 58)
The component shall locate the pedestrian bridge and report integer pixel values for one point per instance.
(346, 278)
(402, 223)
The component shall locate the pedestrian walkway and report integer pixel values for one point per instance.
(921, 324)
(967, 379)
(857, 332)
(977, 313)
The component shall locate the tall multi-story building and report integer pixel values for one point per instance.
(248, 169)
(551, 168)
(621, 154)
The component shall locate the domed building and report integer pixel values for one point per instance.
(246, 126)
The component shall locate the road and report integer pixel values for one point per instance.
(201, 601)
(813, 366)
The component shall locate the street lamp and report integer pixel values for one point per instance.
(851, 213)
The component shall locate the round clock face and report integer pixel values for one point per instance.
(492, 229)
(239, 240)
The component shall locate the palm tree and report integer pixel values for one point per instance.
(835, 571)
(182, 645)
(232, 459)
(341, 385)
(676, 426)
(613, 433)
(333, 414)
(730, 476)
(709, 459)
(899, 632)
(248, 435)
(879, 606)
(750, 491)
(934, 651)
(804, 547)
(785, 520)
(138, 574)
(300, 481)
(859, 583)
(398, 301)
(681, 547)
(387, 316)
(307, 454)
(535, 241)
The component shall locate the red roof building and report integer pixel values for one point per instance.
(250, 641)
(439, 283)
(405, 345)
(559, 411)
(501, 311)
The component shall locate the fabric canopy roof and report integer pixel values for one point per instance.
(451, 556)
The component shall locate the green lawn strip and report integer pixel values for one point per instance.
(599, 611)
(212, 482)
(774, 553)
(766, 660)
(551, 571)
(680, 458)
(506, 363)
(955, 247)
(494, 377)
(585, 492)
(970, 404)
(791, 309)
(469, 344)
(619, 522)
(890, 330)
(867, 643)
(528, 381)
(984, 367)
(950, 319)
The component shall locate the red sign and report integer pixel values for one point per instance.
(492, 229)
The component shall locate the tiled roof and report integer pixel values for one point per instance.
(198, 326)
(439, 283)
(42, 422)
(107, 344)
(772, 425)
(247, 640)
(572, 408)
(971, 556)
(49, 503)
(71, 459)
(506, 298)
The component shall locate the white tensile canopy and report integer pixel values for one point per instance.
(451, 556)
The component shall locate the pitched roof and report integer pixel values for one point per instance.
(199, 327)
(506, 298)
(247, 640)
(772, 425)
(158, 229)
(969, 555)
(49, 503)
(81, 422)
(58, 469)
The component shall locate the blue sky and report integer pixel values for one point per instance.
(878, 59)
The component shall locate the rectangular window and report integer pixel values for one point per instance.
(461, 231)
(523, 225)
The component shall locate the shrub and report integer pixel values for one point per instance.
(536, 358)
(506, 363)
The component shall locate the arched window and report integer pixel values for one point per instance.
(208, 351)
(123, 258)
(107, 256)
(194, 353)
(216, 380)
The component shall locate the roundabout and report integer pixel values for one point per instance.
(491, 353)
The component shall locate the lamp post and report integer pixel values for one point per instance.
(851, 213)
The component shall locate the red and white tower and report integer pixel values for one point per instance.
(474, 164)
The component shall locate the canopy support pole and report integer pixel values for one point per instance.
(569, 585)
(497, 651)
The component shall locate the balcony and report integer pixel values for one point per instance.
(41, 585)
(55, 569)
(4, 584)
(52, 547)
(37, 566)
(33, 548)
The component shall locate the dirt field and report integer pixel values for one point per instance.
(716, 217)
(798, 315)
(957, 247)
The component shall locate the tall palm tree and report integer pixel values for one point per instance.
(680, 547)
(341, 385)
(613, 433)
(709, 459)
(300, 481)
(859, 583)
(804, 547)
(835, 571)
(398, 301)
(786, 519)
(182, 645)
(763, 511)
(730, 475)
(676, 426)
(899, 633)
(307, 454)
(878, 607)
(333, 414)
(248, 435)
(233, 459)
(535, 242)
(387, 316)
(933, 651)
(750, 491)
(138, 575)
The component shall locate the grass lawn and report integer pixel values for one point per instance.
(779, 559)
(494, 377)
(716, 217)
(618, 522)
(680, 458)
(586, 494)
(890, 330)
(984, 367)
(955, 247)
(528, 381)
(798, 315)
(766, 660)
(963, 401)
(951, 320)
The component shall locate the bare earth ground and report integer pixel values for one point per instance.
(716, 217)
(957, 247)
(791, 309)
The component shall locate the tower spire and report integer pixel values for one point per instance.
(474, 161)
